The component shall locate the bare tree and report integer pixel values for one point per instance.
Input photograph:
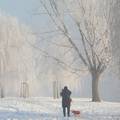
(92, 47)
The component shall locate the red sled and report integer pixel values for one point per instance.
(75, 112)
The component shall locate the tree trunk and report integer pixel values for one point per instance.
(24, 90)
(95, 88)
(1, 91)
(55, 90)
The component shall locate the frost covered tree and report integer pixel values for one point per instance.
(115, 34)
(16, 55)
(82, 31)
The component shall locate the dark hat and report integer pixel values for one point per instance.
(65, 87)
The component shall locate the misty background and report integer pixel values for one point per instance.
(40, 72)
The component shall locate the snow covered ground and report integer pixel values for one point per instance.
(49, 109)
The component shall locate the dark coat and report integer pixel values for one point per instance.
(66, 97)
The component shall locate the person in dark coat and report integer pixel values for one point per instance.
(66, 100)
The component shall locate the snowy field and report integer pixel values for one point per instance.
(49, 109)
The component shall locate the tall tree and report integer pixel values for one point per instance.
(16, 60)
(84, 27)
(115, 35)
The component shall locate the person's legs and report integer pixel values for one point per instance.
(68, 110)
(64, 111)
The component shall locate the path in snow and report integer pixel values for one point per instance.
(49, 109)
